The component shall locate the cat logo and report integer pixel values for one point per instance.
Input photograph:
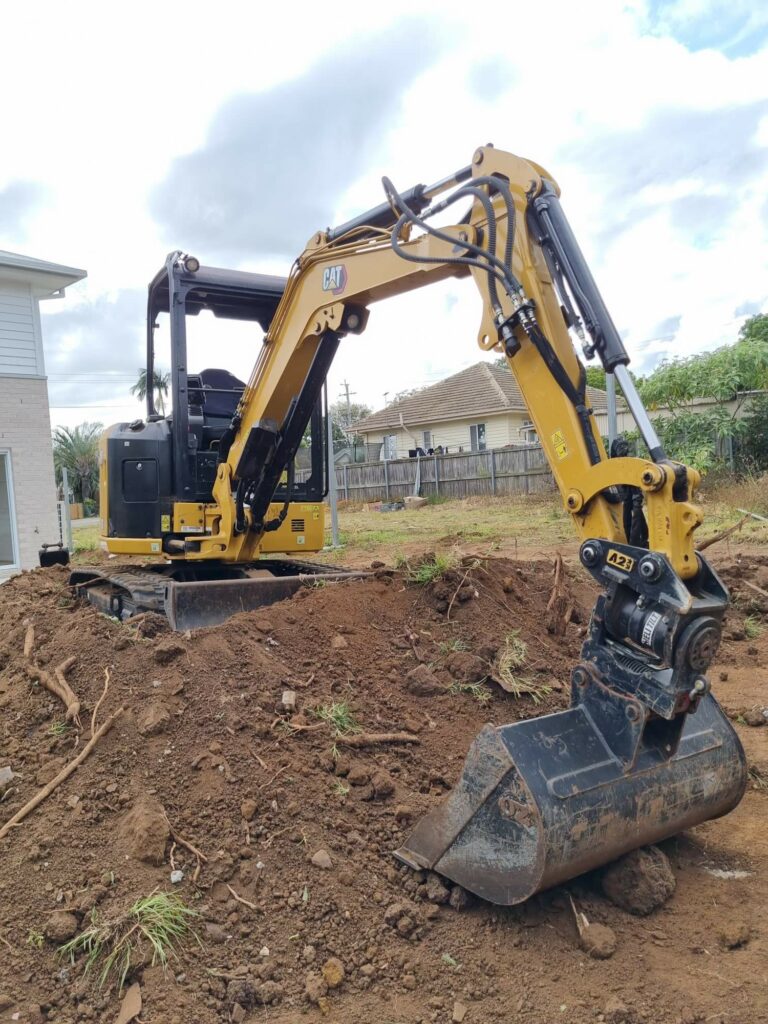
(335, 279)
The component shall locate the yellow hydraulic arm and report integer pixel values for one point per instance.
(516, 245)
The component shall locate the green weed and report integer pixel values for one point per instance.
(58, 729)
(450, 961)
(451, 646)
(340, 788)
(479, 691)
(161, 921)
(752, 627)
(339, 716)
(428, 570)
(35, 939)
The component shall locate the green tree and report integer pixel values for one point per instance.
(345, 417)
(162, 381)
(729, 376)
(76, 449)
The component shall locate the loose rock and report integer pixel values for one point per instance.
(639, 882)
(437, 892)
(155, 718)
(422, 682)
(322, 860)
(459, 1012)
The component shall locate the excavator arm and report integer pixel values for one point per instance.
(644, 749)
(630, 762)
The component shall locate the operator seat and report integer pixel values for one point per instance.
(214, 394)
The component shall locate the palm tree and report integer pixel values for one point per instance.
(162, 381)
(76, 449)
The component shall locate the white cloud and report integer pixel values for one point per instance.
(672, 217)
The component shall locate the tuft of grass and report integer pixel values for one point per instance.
(450, 961)
(451, 646)
(758, 777)
(437, 499)
(35, 939)
(58, 729)
(752, 627)
(509, 661)
(339, 715)
(161, 921)
(479, 691)
(340, 788)
(427, 570)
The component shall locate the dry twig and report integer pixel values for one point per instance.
(708, 541)
(64, 774)
(241, 899)
(371, 739)
(57, 683)
(100, 701)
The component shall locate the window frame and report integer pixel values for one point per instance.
(475, 444)
(15, 565)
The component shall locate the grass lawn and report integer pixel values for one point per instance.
(523, 525)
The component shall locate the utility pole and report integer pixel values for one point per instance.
(332, 489)
(345, 385)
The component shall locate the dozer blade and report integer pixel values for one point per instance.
(544, 800)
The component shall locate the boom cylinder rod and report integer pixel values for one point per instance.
(383, 216)
(636, 407)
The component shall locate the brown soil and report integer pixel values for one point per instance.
(301, 825)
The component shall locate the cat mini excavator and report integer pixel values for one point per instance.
(644, 750)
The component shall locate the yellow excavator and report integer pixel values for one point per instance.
(644, 750)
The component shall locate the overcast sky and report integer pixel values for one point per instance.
(236, 130)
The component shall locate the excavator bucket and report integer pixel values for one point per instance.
(544, 800)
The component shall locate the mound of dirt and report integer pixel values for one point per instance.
(238, 767)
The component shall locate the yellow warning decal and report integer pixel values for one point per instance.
(561, 448)
(620, 560)
(165, 524)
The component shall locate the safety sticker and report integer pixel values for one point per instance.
(561, 448)
(165, 524)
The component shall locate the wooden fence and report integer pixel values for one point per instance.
(503, 471)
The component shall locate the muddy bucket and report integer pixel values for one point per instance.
(544, 800)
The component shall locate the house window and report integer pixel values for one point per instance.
(477, 437)
(390, 446)
(528, 433)
(426, 439)
(8, 552)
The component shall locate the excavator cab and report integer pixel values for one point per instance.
(157, 473)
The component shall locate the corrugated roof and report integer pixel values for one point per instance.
(485, 389)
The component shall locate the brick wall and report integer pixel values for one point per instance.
(25, 431)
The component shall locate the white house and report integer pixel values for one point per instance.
(28, 515)
(479, 408)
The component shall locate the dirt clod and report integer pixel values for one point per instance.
(167, 651)
(333, 972)
(639, 882)
(422, 682)
(735, 934)
(598, 940)
(155, 718)
(61, 926)
(145, 831)
(436, 891)
(315, 987)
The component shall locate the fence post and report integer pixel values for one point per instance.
(386, 479)
(346, 482)
(493, 471)
(437, 477)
